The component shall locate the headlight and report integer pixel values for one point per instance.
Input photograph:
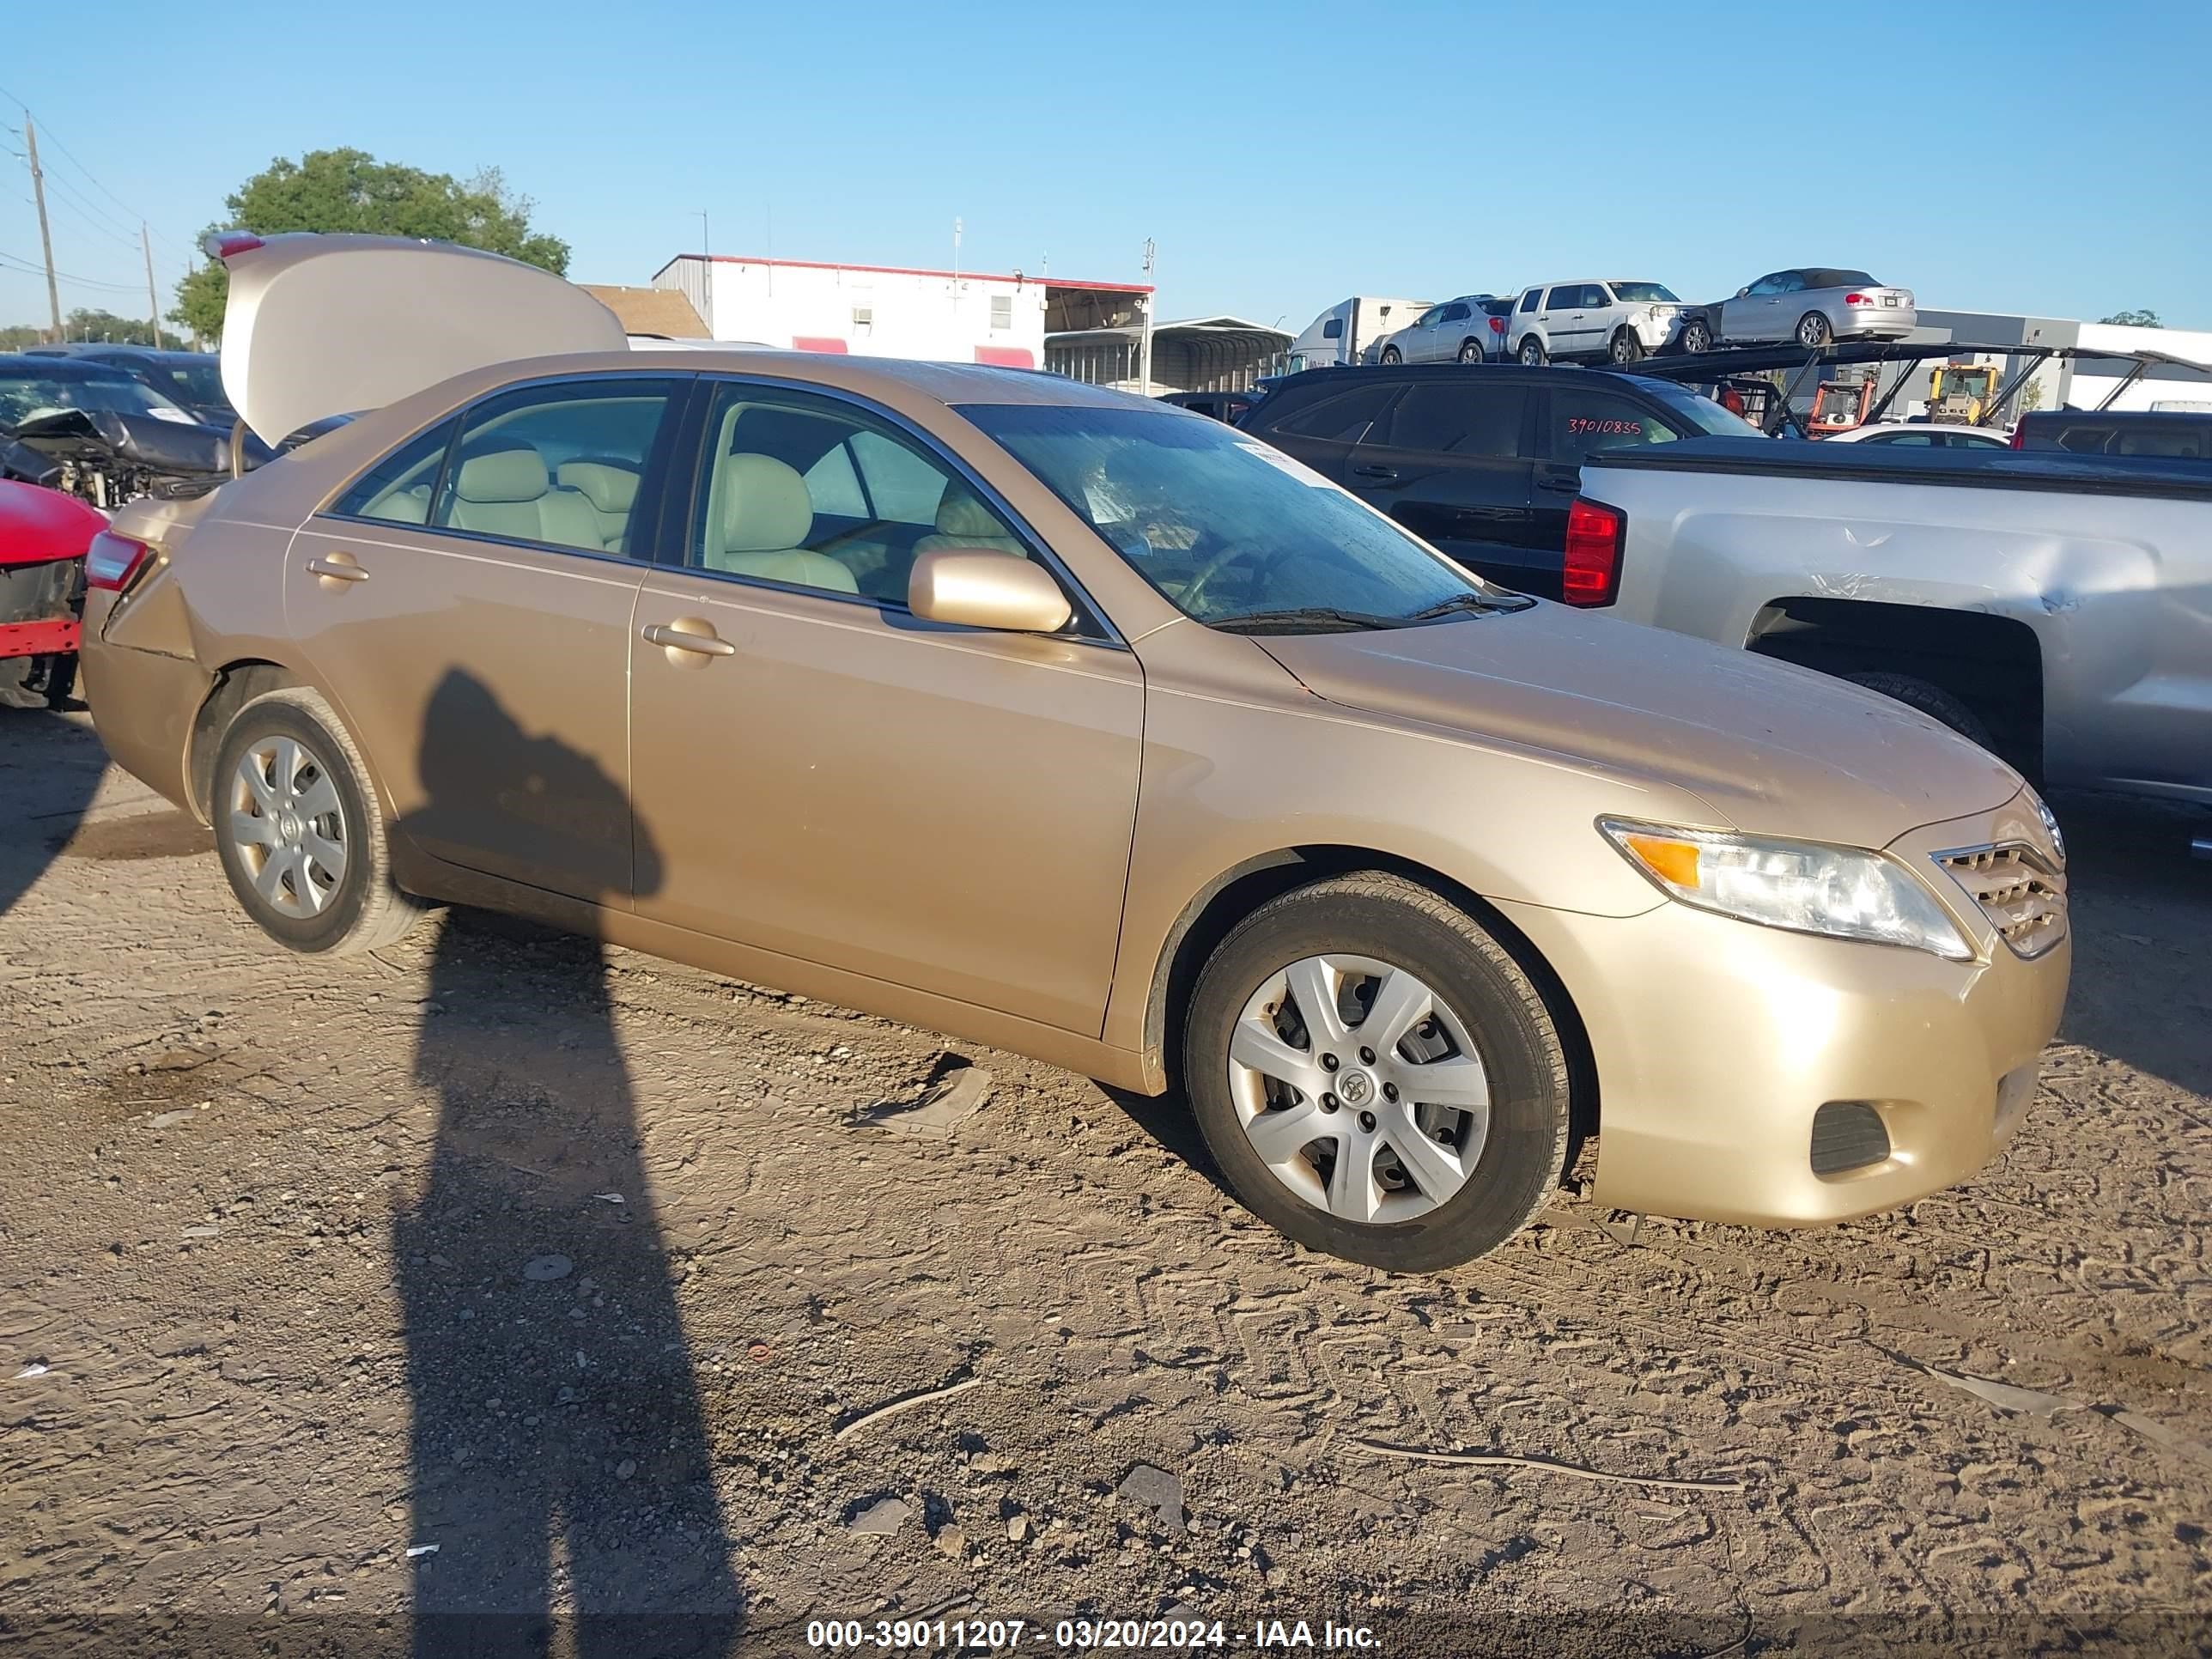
(2050, 827)
(1843, 892)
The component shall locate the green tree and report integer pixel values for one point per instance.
(82, 324)
(349, 190)
(2134, 318)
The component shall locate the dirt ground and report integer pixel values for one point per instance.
(497, 1274)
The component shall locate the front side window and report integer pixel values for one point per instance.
(1231, 531)
(1584, 422)
(559, 465)
(1332, 328)
(1765, 287)
(816, 493)
(1428, 317)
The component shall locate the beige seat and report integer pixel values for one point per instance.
(612, 489)
(760, 516)
(508, 492)
(963, 521)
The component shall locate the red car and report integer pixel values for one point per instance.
(43, 537)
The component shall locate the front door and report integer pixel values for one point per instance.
(819, 774)
(467, 605)
(1446, 461)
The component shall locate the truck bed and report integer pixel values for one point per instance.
(1968, 469)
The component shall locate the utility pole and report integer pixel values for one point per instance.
(45, 238)
(1144, 349)
(153, 300)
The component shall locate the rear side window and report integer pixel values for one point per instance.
(397, 489)
(1584, 422)
(2159, 440)
(1528, 300)
(2084, 440)
(1440, 419)
(1455, 314)
(1339, 417)
(560, 465)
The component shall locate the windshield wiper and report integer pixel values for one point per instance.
(1472, 602)
(1306, 619)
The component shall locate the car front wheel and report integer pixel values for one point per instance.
(297, 830)
(1390, 355)
(1377, 1077)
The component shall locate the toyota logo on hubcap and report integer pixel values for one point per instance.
(1356, 1087)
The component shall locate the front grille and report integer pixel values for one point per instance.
(1847, 1134)
(2019, 890)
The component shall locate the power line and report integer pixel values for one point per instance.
(54, 139)
(23, 267)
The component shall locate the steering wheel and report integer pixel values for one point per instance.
(1229, 553)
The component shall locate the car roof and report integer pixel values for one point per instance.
(66, 368)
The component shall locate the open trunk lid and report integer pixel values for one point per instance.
(321, 325)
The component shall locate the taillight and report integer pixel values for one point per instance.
(2019, 437)
(1497, 325)
(1594, 535)
(112, 561)
(1857, 300)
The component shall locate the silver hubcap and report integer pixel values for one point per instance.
(1360, 1089)
(289, 826)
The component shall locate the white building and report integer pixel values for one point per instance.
(877, 311)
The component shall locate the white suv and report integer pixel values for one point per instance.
(1597, 322)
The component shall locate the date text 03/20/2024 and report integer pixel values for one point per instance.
(998, 1635)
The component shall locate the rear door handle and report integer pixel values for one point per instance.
(700, 639)
(339, 567)
(1385, 473)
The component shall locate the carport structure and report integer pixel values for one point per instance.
(1200, 354)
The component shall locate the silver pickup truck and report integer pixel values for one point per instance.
(2056, 608)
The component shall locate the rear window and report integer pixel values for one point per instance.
(1339, 416)
(1437, 418)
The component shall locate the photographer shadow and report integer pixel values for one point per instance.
(561, 1468)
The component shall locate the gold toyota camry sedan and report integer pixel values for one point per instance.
(1072, 723)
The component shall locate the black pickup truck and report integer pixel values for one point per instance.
(1482, 463)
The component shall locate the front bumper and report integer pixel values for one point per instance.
(1657, 333)
(1718, 1042)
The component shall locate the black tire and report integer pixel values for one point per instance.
(1931, 699)
(1625, 347)
(1813, 330)
(1697, 336)
(1391, 354)
(362, 909)
(1531, 353)
(1394, 921)
(1470, 352)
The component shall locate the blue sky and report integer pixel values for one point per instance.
(1989, 156)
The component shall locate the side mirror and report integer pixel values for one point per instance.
(980, 589)
(1743, 294)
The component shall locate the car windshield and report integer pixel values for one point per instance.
(191, 381)
(1708, 417)
(26, 394)
(1231, 531)
(1642, 294)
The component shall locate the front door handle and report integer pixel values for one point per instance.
(690, 635)
(339, 567)
(1386, 474)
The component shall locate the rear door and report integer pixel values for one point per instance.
(1575, 420)
(1319, 425)
(1447, 461)
(467, 605)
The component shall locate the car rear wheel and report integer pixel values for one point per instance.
(1931, 699)
(297, 830)
(1470, 352)
(1697, 336)
(1812, 330)
(1376, 1076)
(1626, 347)
(1531, 354)
(1390, 355)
